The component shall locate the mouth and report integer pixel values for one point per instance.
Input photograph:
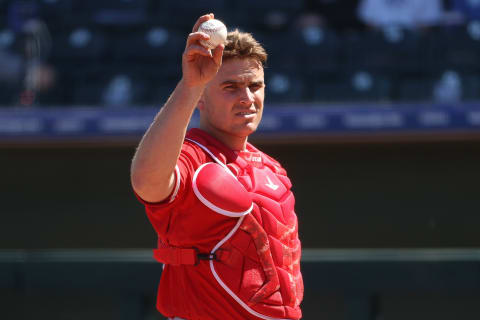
(247, 113)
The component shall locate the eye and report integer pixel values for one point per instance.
(255, 87)
(230, 87)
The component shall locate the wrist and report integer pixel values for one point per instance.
(194, 87)
(185, 96)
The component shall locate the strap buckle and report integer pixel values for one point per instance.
(207, 256)
(181, 256)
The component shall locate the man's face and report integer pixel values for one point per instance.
(232, 102)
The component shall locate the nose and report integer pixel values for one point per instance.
(246, 97)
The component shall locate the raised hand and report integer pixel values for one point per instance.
(199, 64)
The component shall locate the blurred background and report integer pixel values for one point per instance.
(373, 107)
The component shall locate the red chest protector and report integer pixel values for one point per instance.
(257, 262)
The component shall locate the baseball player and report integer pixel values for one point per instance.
(223, 210)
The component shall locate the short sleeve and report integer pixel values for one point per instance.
(170, 198)
(187, 163)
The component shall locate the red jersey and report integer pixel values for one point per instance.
(237, 208)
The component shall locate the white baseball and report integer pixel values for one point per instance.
(217, 32)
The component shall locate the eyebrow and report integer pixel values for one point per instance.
(233, 82)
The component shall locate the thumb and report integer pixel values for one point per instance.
(217, 54)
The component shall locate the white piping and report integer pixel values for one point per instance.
(211, 155)
(177, 184)
(228, 236)
(211, 205)
(224, 286)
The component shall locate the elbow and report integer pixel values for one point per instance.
(137, 179)
(151, 186)
(141, 185)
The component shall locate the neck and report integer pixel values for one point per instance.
(233, 142)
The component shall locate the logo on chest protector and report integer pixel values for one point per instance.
(253, 158)
(270, 184)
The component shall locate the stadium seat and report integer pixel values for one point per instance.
(10, 41)
(455, 47)
(415, 89)
(446, 85)
(320, 50)
(56, 13)
(8, 95)
(266, 15)
(280, 55)
(179, 14)
(339, 15)
(110, 86)
(308, 51)
(359, 86)
(78, 44)
(471, 87)
(111, 12)
(284, 87)
(159, 92)
(154, 43)
(3, 10)
(391, 50)
(161, 81)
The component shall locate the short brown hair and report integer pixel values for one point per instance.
(242, 45)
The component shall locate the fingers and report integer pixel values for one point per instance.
(197, 49)
(217, 54)
(194, 47)
(201, 20)
(195, 37)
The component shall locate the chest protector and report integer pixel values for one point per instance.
(258, 262)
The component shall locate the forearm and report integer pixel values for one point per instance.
(157, 154)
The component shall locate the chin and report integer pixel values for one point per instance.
(247, 130)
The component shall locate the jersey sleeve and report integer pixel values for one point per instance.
(187, 163)
(170, 198)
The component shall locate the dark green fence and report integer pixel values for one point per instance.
(339, 284)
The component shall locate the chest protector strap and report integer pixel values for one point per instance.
(181, 256)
